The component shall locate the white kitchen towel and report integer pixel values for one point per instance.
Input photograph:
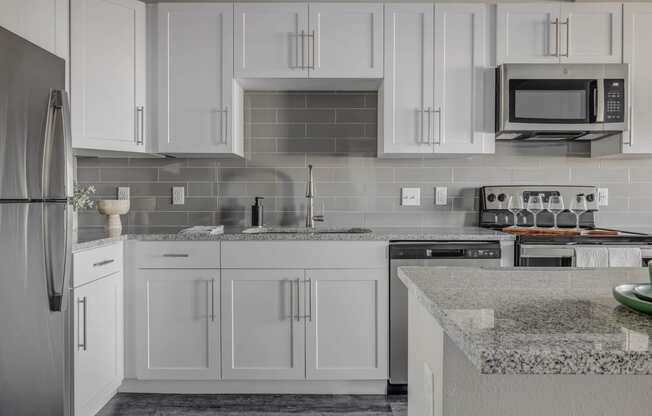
(625, 257)
(205, 230)
(591, 256)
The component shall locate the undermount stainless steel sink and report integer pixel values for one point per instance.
(303, 230)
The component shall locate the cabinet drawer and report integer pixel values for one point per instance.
(304, 254)
(92, 264)
(178, 255)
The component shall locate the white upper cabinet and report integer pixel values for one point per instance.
(268, 40)
(459, 71)
(349, 306)
(433, 95)
(345, 40)
(42, 22)
(263, 329)
(301, 40)
(178, 324)
(108, 75)
(195, 113)
(591, 33)
(638, 34)
(407, 92)
(559, 32)
(527, 33)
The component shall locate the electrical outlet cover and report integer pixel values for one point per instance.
(123, 192)
(603, 197)
(441, 195)
(178, 195)
(410, 197)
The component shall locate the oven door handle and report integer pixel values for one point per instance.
(599, 105)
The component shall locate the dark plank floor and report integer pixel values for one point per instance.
(136, 404)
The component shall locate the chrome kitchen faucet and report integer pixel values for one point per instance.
(310, 205)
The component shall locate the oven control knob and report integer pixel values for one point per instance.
(590, 197)
(502, 197)
(491, 197)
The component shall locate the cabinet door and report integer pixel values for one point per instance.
(268, 41)
(263, 333)
(42, 22)
(408, 87)
(460, 40)
(108, 74)
(98, 343)
(178, 322)
(348, 40)
(350, 306)
(527, 33)
(195, 64)
(591, 33)
(636, 52)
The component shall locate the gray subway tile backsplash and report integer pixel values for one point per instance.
(336, 132)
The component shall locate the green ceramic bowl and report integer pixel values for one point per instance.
(644, 292)
(625, 295)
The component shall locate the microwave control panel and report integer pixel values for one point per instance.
(614, 100)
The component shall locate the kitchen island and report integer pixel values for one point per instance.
(525, 342)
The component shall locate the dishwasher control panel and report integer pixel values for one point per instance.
(446, 250)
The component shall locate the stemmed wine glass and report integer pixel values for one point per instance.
(578, 207)
(556, 206)
(535, 206)
(515, 205)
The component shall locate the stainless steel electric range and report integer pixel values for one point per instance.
(545, 246)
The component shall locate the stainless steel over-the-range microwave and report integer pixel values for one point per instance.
(559, 101)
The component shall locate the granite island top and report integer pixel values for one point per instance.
(97, 237)
(537, 321)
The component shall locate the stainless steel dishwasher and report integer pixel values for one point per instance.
(424, 253)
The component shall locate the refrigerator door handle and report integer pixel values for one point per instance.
(58, 114)
(57, 280)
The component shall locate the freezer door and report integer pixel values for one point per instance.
(28, 77)
(33, 376)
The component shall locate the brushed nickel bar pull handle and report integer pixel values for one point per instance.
(303, 36)
(140, 111)
(310, 299)
(567, 23)
(298, 300)
(82, 345)
(176, 255)
(630, 128)
(438, 111)
(557, 42)
(103, 262)
(430, 125)
(226, 125)
(291, 301)
(213, 300)
(313, 51)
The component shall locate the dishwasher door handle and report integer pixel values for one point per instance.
(445, 253)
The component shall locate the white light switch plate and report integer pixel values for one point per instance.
(410, 197)
(123, 192)
(441, 195)
(603, 197)
(178, 195)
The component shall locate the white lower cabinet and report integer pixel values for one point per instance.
(98, 343)
(304, 324)
(346, 331)
(263, 331)
(178, 324)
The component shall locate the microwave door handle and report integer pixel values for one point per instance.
(599, 104)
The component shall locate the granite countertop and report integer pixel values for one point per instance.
(537, 321)
(94, 238)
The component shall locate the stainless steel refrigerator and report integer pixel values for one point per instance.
(35, 231)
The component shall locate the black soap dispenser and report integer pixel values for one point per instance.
(257, 212)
